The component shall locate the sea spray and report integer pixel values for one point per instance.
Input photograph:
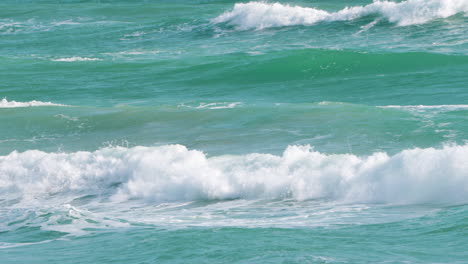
(259, 15)
(174, 173)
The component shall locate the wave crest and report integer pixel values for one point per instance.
(174, 173)
(4, 103)
(76, 58)
(259, 15)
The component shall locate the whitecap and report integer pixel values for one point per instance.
(4, 103)
(259, 15)
(218, 105)
(72, 59)
(425, 108)
(175, 173)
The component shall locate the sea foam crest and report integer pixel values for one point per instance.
(218, 105)
(4, 103)
(258, 15)
(76, 58)
(174, 173)
(440, 108)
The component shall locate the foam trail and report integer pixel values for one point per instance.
(441, 108)
(259, 15)
(213, 106)
(218, 105)
(4, 103)
(72, 59)
(174, 173)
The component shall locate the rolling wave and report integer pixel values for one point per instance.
(313, 64)
(76, 58)
(4, 103)
(435, 108)
(174, 173)
(259, 15)
(213, 106)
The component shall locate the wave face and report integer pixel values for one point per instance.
(174, 173)
(259, 15)
(4, 103)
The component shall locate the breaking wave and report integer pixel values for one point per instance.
(212, 106)
(4, 103)
(72, 59)
(175, 173)
(259, 15)
(438, 108)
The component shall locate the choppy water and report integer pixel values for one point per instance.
(227, 132)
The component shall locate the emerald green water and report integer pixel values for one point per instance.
(229, 132)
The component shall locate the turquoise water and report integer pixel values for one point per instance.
(233, 132)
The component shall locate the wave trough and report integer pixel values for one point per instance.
(259, 15)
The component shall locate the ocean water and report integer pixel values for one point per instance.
(215, 131)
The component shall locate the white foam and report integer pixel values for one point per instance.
(174, 173)
(425, 108)
(139, 52)
(4, 245)
(259, 15)
(218, 105)
(134, 52)
(4, 103)
(72, 59)
(32, 25)
(65, 22)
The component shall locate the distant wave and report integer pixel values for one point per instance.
(259, 15)
(218, 105)
(72, 59)
(437, 108)
(174, 173)
(4, 103)
(9, 26)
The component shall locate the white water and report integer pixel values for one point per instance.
(4, 103)
(439, 108)
(218, 105)
(213, 106)
(174, 173)
(259, 15)
(76, 58)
